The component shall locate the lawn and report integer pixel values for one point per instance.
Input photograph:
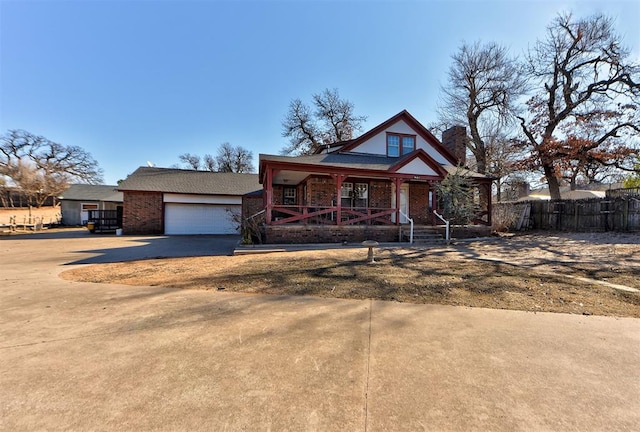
(489, 274)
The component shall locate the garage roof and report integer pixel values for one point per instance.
(87, 192)
(173, 180)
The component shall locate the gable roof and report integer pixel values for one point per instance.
(172, 180)
(88, 192)
(413, 123)
(422, 156)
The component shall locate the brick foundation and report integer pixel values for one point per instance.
(297, 234)
(466, 231)
(143, 213)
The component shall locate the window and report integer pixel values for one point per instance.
(85, 210)
(289, 196)
(408, 144)
(361, 195)
(400, 144)
(354, 195)
(393, 145)
(346, 193)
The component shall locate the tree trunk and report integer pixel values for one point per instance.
(478, 149)
(552, 182)
(573, 183)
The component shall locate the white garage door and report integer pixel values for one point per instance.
(199, 219)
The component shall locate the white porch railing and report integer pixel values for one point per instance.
(446, 223)
(254, 215)
(411, 222)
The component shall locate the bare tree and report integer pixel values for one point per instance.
(229, 159)
(42, 168)
(332, 120)
(191, 161)
(209, 162)
(195, 162)
(482, 89)
(502, 159)
(581, 72)
(234, 159)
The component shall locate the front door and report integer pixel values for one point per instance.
(404, 203)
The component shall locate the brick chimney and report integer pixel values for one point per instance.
(455, 140)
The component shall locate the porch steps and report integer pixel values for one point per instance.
(424, 237)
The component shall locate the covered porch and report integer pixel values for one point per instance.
(347, 197)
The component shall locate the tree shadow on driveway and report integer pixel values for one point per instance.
(122, 249)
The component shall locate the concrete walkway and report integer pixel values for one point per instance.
(79, 356)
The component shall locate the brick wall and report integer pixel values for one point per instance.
(300, 234)
(380, 194)
(278, 195)
(251, 204)
(419, 203)
(143, 213)
(321, 191)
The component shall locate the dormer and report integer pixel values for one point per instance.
(398, 136)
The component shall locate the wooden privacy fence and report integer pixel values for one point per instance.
(613, 213)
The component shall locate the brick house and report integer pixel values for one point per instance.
(364, 188)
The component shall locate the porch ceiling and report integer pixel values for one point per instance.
(289, 177)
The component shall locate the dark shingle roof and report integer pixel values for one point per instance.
(173, 180)
(87, 192)
(347, 160)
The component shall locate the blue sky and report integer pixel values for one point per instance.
(140, 80)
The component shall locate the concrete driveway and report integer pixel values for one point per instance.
(99, 248)
(79, 356)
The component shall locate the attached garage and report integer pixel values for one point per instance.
(199, 219)
(180, 202)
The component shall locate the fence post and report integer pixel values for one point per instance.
(625, 214)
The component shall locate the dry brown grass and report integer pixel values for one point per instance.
(466, 275)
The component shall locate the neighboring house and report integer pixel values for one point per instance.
(176, 201)
(588, 191)
(364, 188)
(79, 199)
